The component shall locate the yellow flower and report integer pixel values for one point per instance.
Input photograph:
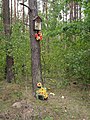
(39, 84)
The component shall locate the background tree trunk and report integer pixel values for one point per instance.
(14, 10)
(23, 15)
(35, 48)
(18, 9)
(9, 59)
(66, 12)
(11, 12)
(71, 11)
(74, 11)
(79, 12)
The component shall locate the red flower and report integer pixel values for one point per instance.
(38, 36)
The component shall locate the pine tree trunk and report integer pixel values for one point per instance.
(14, 10)
(66, 12)
(75, 11)
(35, 48)
(17, 9)
(23, 15)
(63, 14)
(79, 12)
(71, 11)
(47, 39)
(11, 11)
(9, 59)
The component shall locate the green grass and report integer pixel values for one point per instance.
(74, 105)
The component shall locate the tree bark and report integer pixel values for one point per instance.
(35, 48)
(9, 59)
(71, 11)
(17, 9)
(14, 10)
(23, 15)
(11, 11)
(74, 11)
(79, 12)
(66, 12)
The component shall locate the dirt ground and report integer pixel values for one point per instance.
(70, 103)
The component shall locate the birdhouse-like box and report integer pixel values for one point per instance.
(37, 23)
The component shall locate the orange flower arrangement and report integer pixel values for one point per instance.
(41, 92)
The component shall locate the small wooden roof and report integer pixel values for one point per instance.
(37, 17)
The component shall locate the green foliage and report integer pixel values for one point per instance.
(2, 51)
(69, 48)
(69, 53)
(21, 50)
(48, 118)
(65, 50)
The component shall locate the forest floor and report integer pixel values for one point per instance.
(68, 103)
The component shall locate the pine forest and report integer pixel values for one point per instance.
(44, 59)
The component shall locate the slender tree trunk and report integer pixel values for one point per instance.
(66, 12)
(80, 12)
(71, 11)
(1, 10)
(35, 48)
(17, 9)
(43, 6)
(14, 10)
(23, 14)
(75, 11)
(9, 59)
(11, 11)
(47, 25)
(45, 12)
(63, 14)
